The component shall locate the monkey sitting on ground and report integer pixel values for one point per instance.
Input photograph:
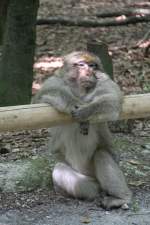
(84, 150)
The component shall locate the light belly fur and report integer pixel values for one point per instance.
(79, 148)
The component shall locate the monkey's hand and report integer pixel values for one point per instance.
(80, 113)
(84, 125)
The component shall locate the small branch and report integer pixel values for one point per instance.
(145, 38)
(144, 43)
(139, 214)
(140, 4)
(126, 12)
(82, 22)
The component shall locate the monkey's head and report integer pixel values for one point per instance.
(81, 68)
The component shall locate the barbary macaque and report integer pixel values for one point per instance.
(86, 166)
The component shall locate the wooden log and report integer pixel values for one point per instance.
(37, 116)
(136, 106)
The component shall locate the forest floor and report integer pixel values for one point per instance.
(45, 207)
(132, 73)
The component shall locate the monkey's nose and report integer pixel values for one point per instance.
(89, 71)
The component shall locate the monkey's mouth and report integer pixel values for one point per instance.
(87, 83)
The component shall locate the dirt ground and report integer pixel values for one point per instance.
(45, 207)
(132, 72)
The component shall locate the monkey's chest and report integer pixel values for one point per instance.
(79, 148)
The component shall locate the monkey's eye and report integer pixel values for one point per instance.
(94, 66)
(81, 64)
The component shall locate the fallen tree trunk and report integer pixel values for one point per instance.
(83, 22)
(37, 116)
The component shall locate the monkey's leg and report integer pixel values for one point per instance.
(73, 183)
(111, 180)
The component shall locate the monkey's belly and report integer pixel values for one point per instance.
(79, 148)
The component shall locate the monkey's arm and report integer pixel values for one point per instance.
(57, 94)
(106, 99)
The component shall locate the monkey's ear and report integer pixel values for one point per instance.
(63, 60)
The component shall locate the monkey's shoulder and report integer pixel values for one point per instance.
(53, 81)
(55, 85)
(106, 85)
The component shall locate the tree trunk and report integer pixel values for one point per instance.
(16, 70)
(3, 14)
(100, 49)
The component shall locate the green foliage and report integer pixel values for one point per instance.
(25, 175)
(146, 87)
(38, 175)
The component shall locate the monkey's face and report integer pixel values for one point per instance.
(81, 68)
(85, 74)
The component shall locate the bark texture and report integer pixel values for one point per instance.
(16, 70)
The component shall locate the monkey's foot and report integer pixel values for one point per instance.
(111, 202)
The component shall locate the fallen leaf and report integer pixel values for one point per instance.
(136, 183)
(85, 220)
(134, 162)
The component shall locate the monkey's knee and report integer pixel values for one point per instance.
(73, 183)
